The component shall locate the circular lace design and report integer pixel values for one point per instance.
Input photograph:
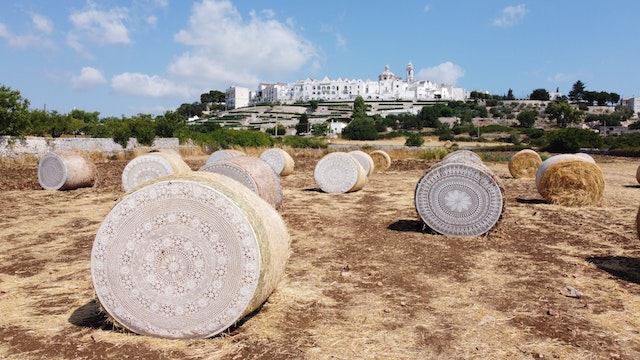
(364, 160)
(274, 158)
(234, 172)
(52, 172)
(175, 259)
(336, 173)
(143, 169)
(458, 199)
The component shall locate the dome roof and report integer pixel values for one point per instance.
(386, 74)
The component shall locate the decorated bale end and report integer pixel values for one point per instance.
(463, 154)
(524, 164)
(66, 170)
(364, 159)
(186, 257)
(151, 166)
(381, 160)
(252, 172)
(339, 173)
(224, 154)
(570, 180)
(460, 198)
(280, 160)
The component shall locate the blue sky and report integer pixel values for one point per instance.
(149, 56)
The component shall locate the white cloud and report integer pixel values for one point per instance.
(559, 78)
(226, 49)
(147, 86)
(426, 8)
(97, 27)
(445, 73)
(511, 15)
(341, 42)
(42, 23)
(88, 77)
(151, 20)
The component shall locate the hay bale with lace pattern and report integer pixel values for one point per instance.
(570, 180)
(224, 154)
(339, 173)
(381, 160)
(252, 172)
(66, 170)
(280, 160)
(151, 166)
(524, 164)
(364, 159)
(186, 257)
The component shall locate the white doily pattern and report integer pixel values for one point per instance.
(336, 173)
(52, 172)
(274, 158)
(458, 199)
(175, 259)
(143, 169)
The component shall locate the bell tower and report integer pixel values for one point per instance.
(409, 73)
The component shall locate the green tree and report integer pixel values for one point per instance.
(563, 113)
(577, 92)
(320, 129)
(571, 140)
(527, 118)
(169, 124)
(361, 128)
(143, 129)
(14, 112)
(39, 121)
(510, 95)
(414, 139)
(359, 108)
(89, 119)
(539, 94)
(303, 125)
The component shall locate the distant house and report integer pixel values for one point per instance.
(237, 97)
(632, 103)
(336, 127)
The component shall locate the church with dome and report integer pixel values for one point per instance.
(388, 87)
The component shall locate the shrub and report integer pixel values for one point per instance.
(414, 139)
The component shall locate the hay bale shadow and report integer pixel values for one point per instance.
(90, 316)
(407, 226)
(531, 201)
(637, 186)
(623, 267)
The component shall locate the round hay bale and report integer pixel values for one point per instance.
(168, 151)
(185, 257)
(65, 170)
(339, 173)
(459, 198)
(364, 159)
(252, 172)
(280, 160)
(558, 158)
(638, 174)
(381, 160)
(570, 181)
(463, 154)
(524, 164)
(151, 166)
(223, 154)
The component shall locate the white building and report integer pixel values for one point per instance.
(387, 87)
(237, 97)
(632, 103)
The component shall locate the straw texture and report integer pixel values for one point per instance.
(66, 170)
(188, 256)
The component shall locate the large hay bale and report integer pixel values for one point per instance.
(252, 172)
(459, 198)
(224, 154)
(463, 154)
(570, 180)
(151, 166)
(364, 159)
(638, 174)
(66, 170)
(381, 160)
(339, 173)
(524, 164)
(186, 257)
(280, 160)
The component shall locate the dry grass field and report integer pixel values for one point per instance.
(364, 280)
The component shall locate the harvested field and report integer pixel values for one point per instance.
(363, 280)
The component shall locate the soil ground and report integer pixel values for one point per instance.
(364, 280)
